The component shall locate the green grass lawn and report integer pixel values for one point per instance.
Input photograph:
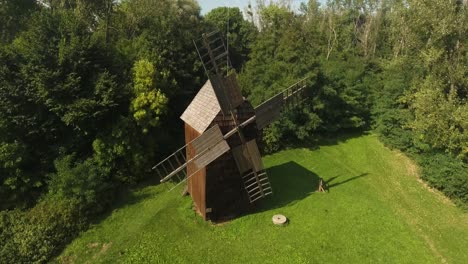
(377, 211)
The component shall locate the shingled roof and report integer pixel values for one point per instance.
(203, 109)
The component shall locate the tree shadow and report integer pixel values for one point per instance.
(124, 197)
(292, 183)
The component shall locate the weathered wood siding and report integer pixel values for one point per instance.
(219, 187)
(225, 193)
(196, 183)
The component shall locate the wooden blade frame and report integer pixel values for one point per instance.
(209, 146)
(227, 92)
(250, 165)
(212, 144)
(257, 185)
(270, 110)
(213, 54)
(215, 59)
(174, 165)
(247, 157)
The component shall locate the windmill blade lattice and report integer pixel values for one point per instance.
(208, 146)
(250, 165)
(270, 110)
(215, 59)
(213, 54)
(212, 144)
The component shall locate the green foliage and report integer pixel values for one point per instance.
(162, 34)
(421, 105)
(69, 97)
(124, 152)
(13, 14)
(446, 174)
(15, 183)
(149, 103)
(440, 119)
(84, 182)
(344, 98)
(276, 62)
(391, 116)
(57, 92)
(434, 33)
(38, 234)
(295, 126)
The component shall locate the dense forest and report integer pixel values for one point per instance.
(91, 92)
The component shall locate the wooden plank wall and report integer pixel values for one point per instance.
(196, 183)
(225, 192)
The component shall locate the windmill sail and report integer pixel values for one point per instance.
(227, 92)
(250, 165)
(212, 144)
(270, 110)
(257, 185)
(208, 146)
(213, 54)
(214, 57)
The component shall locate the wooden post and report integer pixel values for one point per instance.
(322, 186)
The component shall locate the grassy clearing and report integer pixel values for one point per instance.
(376, 212)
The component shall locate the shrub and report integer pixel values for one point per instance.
(34, 236)
(84, 182)
(447, 174)
(76, 191)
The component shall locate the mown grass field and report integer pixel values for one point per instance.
(377, 211)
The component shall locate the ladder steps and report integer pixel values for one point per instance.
(214, 40)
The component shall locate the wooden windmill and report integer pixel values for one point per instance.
(221, 160)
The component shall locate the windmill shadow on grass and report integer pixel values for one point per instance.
(291, 183)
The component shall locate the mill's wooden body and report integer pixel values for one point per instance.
(217, 190)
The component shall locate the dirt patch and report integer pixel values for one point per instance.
(67, 259)
(433, 247)
(93, 245)
(103, 250)
(105, 247)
